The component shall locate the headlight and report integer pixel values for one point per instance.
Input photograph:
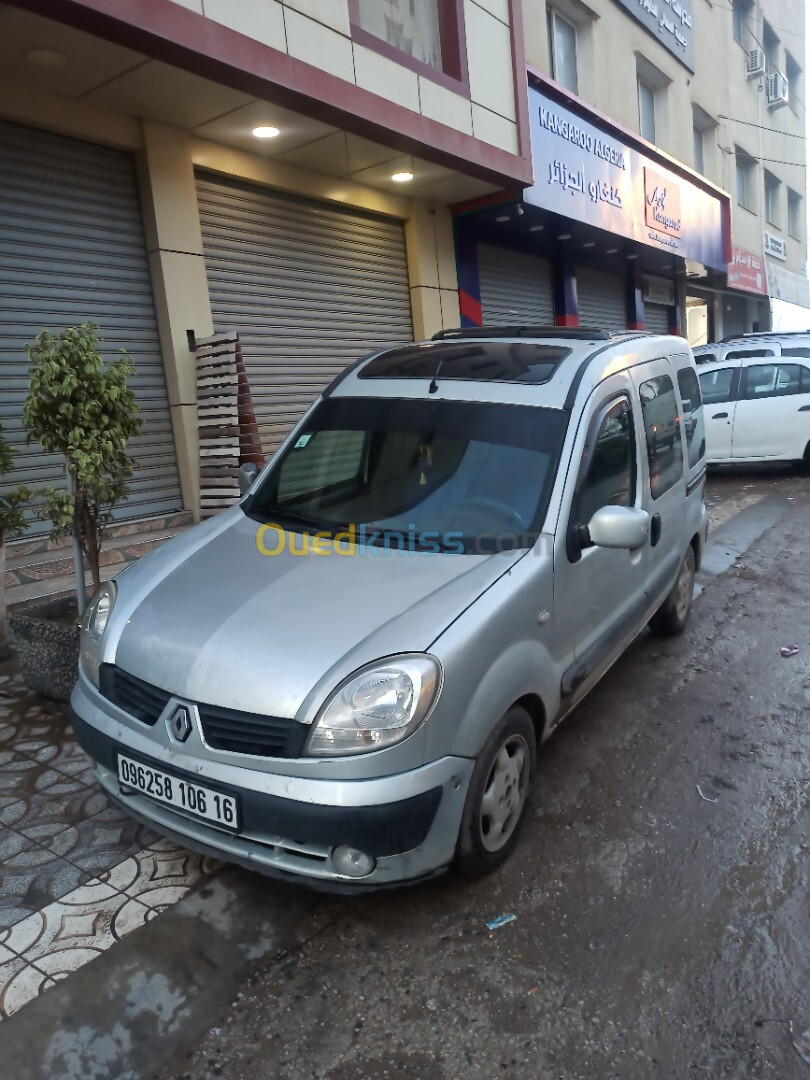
(94, 624)
(376, 707)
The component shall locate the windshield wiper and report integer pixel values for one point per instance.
(302, 519)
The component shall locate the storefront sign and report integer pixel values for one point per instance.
(785, 285)
(662, 199)
(589, 176)
(774, 246)
(670, 22)
(747, 271)
(657, 290)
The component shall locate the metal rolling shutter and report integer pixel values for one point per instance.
(72, 249)
(656, 318)
(734, 321)
(600, 297)
(515, 287)
(309, 287)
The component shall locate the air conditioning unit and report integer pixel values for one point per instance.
(755, 63)
(777, 90)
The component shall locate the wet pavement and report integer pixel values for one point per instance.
(660, 887)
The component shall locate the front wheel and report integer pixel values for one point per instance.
(497, 798)
(673, 615)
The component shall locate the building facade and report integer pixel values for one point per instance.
(326, 176)
(712, 93)
(282, 169)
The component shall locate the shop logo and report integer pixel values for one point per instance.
(179, 724)
(663, 203)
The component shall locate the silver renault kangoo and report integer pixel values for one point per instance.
(345, 678)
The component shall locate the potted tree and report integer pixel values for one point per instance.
(83, 409)
(12, 522)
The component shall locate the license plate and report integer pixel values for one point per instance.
(194, 799)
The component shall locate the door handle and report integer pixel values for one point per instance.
(805, 408)
(720, 416)
(655, 530)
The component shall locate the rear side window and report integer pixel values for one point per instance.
(692, 415)
(747, 354)
(659, 406)
(715, 386)
(805, 380)
(705, 358)
(771, 380)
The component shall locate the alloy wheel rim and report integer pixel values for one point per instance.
(685, 588)
(504, 793)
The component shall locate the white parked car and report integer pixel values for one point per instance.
(753, 346)
(757, 408)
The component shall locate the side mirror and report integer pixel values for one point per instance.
(619, 527)
(247, 474)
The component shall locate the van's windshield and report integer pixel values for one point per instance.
(416, 474)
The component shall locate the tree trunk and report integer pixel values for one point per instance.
(78, 559)
(89, 535)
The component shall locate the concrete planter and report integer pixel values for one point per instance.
(48, 650)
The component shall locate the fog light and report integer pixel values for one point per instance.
(351, 862)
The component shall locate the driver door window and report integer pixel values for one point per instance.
(608, 471)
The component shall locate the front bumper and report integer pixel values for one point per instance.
(408, 822)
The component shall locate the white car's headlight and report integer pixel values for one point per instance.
(94, 624)
(377, 706)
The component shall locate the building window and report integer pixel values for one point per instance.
(702, 141)
(745, 179)
(697, 149)
(646, 111)
(562, 47)
(772, 200)
(770, 43)
(740, 10)
(793, 74)
(426, 35)
(796, 225)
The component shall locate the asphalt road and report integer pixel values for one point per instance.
(660, 890)
(660, 886)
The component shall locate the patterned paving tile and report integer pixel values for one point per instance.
(101, 841)
(70, 932)
(159, 875)
(48, 801)
(20, 982)
(30, 880)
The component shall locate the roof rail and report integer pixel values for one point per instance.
(583, 333)
(761, 334)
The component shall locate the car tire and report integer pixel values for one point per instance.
(498, 795)
(673, 615)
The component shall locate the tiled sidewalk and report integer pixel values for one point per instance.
(76, 874)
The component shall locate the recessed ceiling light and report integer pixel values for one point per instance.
(631, 256)
(537, 228)
(402, 177)
(564, 236)
(265, 132)
(503, 217)
(667, 266)
(45, 58)
(611, 251)
(590, 243)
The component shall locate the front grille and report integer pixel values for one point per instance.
(246, 733)
(133, 695)
(223, 729)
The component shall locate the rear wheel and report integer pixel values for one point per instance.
(673, 615)
(497, 798)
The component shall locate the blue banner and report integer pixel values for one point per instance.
(586, 174)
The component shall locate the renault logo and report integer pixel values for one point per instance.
(179, 724)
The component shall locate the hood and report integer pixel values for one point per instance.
(223, 624)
